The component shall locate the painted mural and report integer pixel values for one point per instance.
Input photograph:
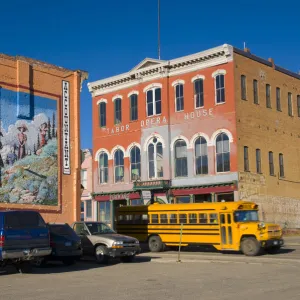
(28, 149)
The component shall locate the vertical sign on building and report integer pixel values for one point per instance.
(66, 127)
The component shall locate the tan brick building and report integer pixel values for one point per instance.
(39, 138)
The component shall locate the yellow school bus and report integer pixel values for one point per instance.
(223, 225)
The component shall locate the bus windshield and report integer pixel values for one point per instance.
(246, 216)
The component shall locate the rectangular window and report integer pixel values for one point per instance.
(243, 88)
(118, 111)
(153, 102)
(271, 163)
(183, 199)
(154, 219)
(133, 107)
(220, 88)
(246, 159)
(198, 93)
(179, 98)
(173, 219)
(281, 166)
(298, 105)
(278, 100)
(268, 96)
(102, 114)
(182, 219)
(290, 104)
(213, 218)
(88, 205)
(258, 161)
(84, 178)
(104, 211)
(193, 218)
(203, 218)
(164, 219)
(255, 92)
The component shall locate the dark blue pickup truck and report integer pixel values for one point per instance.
(24, 236)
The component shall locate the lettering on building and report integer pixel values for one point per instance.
(201, 113)
(66, 127)
(154, 121)
(119, 196)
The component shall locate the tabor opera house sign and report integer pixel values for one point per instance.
(66, 127)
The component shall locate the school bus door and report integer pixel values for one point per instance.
(226, 231)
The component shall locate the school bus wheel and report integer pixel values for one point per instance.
(155, 243)
(250, 246)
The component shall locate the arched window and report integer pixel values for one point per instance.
(220, 88)
(222, 153)
(201, 157)
(155, 159)
(181, 168)
(102, 114)
(118, 111)
(179, 98)
(103, 168)
(119, 166)
(135, 163)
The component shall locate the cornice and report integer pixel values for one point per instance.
(211, 57)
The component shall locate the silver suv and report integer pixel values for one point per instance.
(100, 240)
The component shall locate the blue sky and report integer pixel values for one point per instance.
(110, 37)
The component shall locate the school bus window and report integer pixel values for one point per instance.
(137, 219)
(164, 219)
(182, 219)
(193, 218)
(145, 219)
(203, 218)
(154, 219)
(173, 218)
(213, 218)
(121, 219)
(222, 219)
(229, 219)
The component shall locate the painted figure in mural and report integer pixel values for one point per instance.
(1, 161)
(11, 157)
(43, 131)
(22, 137)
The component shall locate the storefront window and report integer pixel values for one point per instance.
(136, 202)
(183, 199)
(88, 205)
(104, 211)
(229, 197)
(202, 198)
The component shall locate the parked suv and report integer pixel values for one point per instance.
(65, 244)
(100, 240)
(24, 236)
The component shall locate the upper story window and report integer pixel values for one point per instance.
(119, 166)
(271, 163)
(201, 156)
(181, 167)
(135, 163)
(103, 167)
(298, 105)
(220, 88)
(199, 92)
(258, 161)
(179, 98)
(290, 104)
(281, 165)
(133, 107)
(153, 99)
(278, 99)
(222, 153)
(255, 92)
(268, 96)
(246, 159)
(102, 114)
(118, 111)
(155, 159)
(243, 87)
(84, 178)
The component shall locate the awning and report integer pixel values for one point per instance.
(117, 196)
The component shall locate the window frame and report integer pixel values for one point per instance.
(136, 163)
(258, 161)
(103, 168)
(278, 99)
(200, 94)
(298, 105)
(116, 166)
(131, 97)
(201, 157)
(216, 154)
(271, 164)
(243, 87)
(84, 172)
(154, 158)
(118, 99)
(102, 116)
(268, 96)
(183, 158)
(219, 89)
(281, 165)
(179, 97)
(290, 104)
(153, 101)
(246, 159)
(88, 209)
(255, 92)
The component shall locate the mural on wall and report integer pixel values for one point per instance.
(28, 151)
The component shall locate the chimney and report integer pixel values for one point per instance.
(271, 60)
(246, 49)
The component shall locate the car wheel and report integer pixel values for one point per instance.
(250, 246)
(68, 261)
(273, 250)
(127, 259)
(100, 254)
(155, 244)
(24, 267)
(39, 262)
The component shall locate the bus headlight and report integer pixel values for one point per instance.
(261, 225)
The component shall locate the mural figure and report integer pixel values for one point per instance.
(22, 137)
(11, 157)
(43, 131)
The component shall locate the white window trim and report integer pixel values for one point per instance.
(174, 84)
(116, 97)
(178, 81)
(98, 167)
(113, 158)
(97, 155)
(196, 136)
(114, 149)
(197, 77)
(129, 148)
(148, 141)
(155, 160)
(179, 137)
(208, 143)
(151, 86)
(215, 150)
(216, 133)
(218, 72)
(132, 93)
(101, 100)
(154, 106)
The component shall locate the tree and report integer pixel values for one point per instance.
(49, 129)
(53, 126)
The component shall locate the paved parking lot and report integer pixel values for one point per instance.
(158, 276)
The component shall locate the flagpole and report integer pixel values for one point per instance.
(158, 4)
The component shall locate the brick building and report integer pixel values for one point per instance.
(221, 124)
(39, 138)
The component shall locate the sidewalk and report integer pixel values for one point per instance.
(291, 240)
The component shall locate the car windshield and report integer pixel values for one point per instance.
(246, 216)
(99, 228)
